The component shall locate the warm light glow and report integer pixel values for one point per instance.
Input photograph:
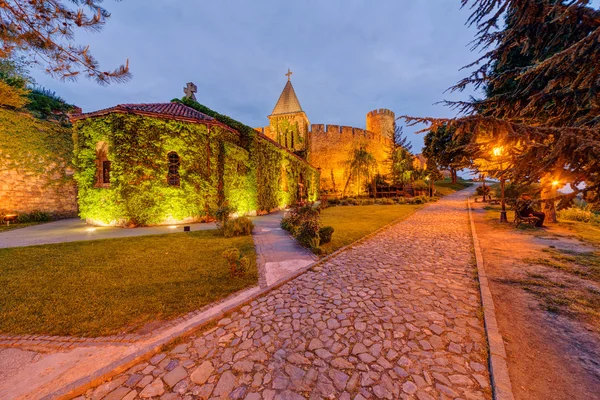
(427, 178)
(90, 229)
(555, 183)
(172, 227)
(498, 151)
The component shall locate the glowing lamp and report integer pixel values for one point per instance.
(497, 151)
(555, 183)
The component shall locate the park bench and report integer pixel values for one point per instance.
(519, 219)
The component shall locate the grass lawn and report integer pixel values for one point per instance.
(4, 227)
(446, 187)
(351, 223)
(105, 287)
(585, 231)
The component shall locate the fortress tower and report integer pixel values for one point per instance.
(288, 123)
(381, 122)
(330, 147)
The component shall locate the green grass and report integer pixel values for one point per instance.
(585, 231)
(110, 286)
(351, 223)
(4, 227)
(446, 187)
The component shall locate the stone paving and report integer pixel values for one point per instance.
(395, 317)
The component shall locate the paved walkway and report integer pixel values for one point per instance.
(74, 229)
(395, 317)
(278, 255)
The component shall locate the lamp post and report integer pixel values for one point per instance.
(498, 151)
(428, 190)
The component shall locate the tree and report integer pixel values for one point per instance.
(361, 167)
(446, 151)
(542, 82)
(44, 30)
(400, 158)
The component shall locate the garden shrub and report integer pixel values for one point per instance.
(580, 214)
(34, 216)
(325, 234)
(387, 201)
(238, 264)
(241, 226)
(303, 222)
(479, 190)
(333, 202)
(343, 202)
(401, 200)
(222, 215)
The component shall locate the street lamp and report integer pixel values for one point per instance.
(428, 189)
(498, 152)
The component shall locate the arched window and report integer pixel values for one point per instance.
(173, 176)
(102, 165)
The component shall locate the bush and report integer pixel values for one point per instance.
(303, 222)
(420, 185)
(333, 202)
(222, 215)
(479, 190)
(579, 214)
(238, 264)
(241, 226)
(401, 200)
(367, 202)
(34, 216)
(343, 202)
(325, 234)
(387, 201)
(353, 202)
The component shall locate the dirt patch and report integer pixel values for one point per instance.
(546, 300)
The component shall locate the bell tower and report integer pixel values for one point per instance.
(288, 123)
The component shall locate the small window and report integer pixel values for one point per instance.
(105, 171)
(173, 177)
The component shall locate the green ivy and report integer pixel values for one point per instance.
(217, 167)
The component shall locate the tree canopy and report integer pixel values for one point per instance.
(43, 31)
(541, 78)
(446, 151)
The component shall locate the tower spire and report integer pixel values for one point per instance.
(289, 74)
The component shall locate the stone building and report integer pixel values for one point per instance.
(167, 163)
(329, 147)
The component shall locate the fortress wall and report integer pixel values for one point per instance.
(332, 146)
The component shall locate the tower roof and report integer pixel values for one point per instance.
(288, 102)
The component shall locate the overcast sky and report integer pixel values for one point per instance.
(348, 56)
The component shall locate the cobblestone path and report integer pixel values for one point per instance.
(395, 317)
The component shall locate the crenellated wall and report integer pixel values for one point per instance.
(331, 147)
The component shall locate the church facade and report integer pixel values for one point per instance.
(329, 147)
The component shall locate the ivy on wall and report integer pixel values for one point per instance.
(216, 167)
(266, 159)
(138, 148)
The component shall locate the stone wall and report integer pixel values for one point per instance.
(331, 147)
(23, 190)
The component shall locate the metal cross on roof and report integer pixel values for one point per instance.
(189, 91)
(289, 74)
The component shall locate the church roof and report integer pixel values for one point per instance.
(176, 111)
(288, 101)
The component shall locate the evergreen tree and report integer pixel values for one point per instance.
(443, 150)
(542, 82)
(44, 30)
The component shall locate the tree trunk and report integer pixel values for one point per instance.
(548, 195)
(453, 174)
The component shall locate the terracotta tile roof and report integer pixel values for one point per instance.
(288, 101)
(166, 110)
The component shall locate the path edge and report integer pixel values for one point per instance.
(498, 366)
(100, 376)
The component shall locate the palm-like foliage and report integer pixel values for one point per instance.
(360, 168)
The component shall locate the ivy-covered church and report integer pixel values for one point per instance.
(167, 163)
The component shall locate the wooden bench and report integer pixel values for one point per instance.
(525, 220)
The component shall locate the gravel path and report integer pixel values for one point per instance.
(395, 317)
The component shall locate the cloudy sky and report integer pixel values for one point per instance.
(348, 56)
